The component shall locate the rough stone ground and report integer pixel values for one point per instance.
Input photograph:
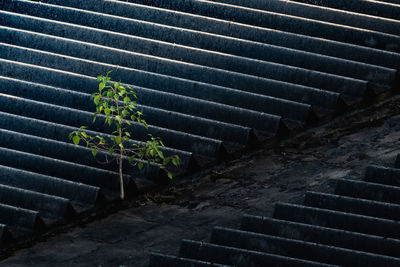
(158, 222)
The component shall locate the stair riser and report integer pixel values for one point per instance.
(371, 8)
(315, 234)
(337, 220)
(382, 175)
(48, 185)
(353, 205)
(48, 206)
(377, 192)
(20, 217)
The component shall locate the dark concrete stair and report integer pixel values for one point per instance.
(213, 79)
(343, 228)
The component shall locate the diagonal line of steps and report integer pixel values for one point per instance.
(204, 57)
(283, 21)
(224, 44)
(154, 116)
(322, 14)
(191, 105)
(343, 228)
(274, 106)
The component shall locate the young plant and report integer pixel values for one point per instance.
(117, 105)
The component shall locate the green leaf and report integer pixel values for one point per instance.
(76, 139)
(116, 97)
(118, 139)
(175, 161)
(111, 151)
(107, 111)
(170, 175)
(145, 124)
(94, 152)
(125, 113)
(96, 100)
(118, 118)
(84, 134)
(140, 165)
(127, 100)
(166, 161)
(101, 86)
(131, 159)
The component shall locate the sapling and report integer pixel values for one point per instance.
(117, 105)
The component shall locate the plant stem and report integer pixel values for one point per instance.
(121, 152)
(121, 181)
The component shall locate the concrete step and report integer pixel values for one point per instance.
(160, 260)
(50, 185)
(321, 235)
(297, 248)
(337, 220)
(366, 190)
(20, 217)
(237, 257)
(382, 175)
(386, 9)
(353, 205)
(49, 206)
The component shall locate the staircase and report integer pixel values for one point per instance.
(213, 78)
(357, 224)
